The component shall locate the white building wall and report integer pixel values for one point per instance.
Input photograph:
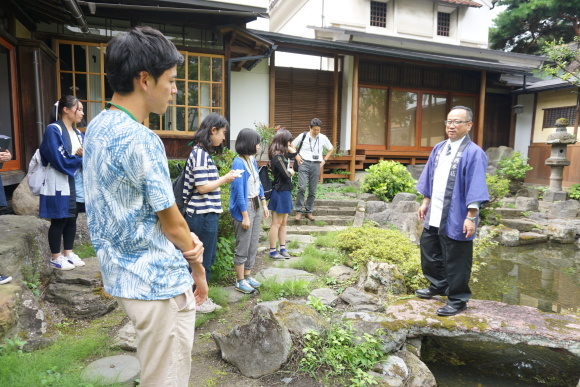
(524, 123)
(250, 99)
(346, 103)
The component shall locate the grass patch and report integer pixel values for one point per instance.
(327, 239)
(220, 297)
(293, 245)
(61, 363)
(320, 223)
(318, 261)
(85, 251)
(272, 289)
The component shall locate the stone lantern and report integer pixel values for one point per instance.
(557, 160)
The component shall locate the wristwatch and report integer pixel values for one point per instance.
(472, 218)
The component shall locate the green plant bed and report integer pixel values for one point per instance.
(315, 260)
(272, 289)
(388, 178)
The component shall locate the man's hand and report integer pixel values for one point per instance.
(245, 220)
(266, 210)
(468, 227)
(201, 288)
(5, 156)
(298, 159)
(422, 212)
(195, 255)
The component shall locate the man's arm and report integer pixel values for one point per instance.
(422, 212)
(175, 228)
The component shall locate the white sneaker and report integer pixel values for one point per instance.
(208, 306)
(61, 263)
(74, 259)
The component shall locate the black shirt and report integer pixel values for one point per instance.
(282, 176)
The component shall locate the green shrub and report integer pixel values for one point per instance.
(266, 135)
(388, 178)
(514, 167)
(498, 188)
(341, 351)
(174, 166)
(382, 245)
(574, 192)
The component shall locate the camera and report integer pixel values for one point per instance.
(315, 157)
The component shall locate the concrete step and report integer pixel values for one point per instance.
(337, 211)
(309, 230)
(330, 220)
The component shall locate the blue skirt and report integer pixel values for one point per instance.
(281, 202)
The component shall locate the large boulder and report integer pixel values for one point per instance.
(382, 279)
(341, 273)
(361, 301)
(23, 201)
(527, 204)
(375, 206)
(403, 197)
(300, 319)
(494, 155)
(258, 348)
(561, 233)
(419, 373)
(567, 209)
(327, 296)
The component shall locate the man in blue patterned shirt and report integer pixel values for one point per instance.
(142, 242)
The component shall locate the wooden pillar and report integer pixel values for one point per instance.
(481, 117)
(335, 104)
(354, 118)
(272, 90)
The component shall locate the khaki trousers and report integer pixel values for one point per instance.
(165, 330)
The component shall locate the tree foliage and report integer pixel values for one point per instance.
(564, 60)
(526, 25)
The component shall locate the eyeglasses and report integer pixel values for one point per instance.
(456, 122)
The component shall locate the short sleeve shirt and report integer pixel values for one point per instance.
(312, 146)
(126, 181)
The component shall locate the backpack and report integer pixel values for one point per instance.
(178, 184)
(36, 173)
(264, 173)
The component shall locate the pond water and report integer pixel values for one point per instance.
(546, 277)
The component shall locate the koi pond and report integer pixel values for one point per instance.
(546, 277)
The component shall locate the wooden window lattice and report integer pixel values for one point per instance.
(551, 115)
(378, 14)
(443, 23)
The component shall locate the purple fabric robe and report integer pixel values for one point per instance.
(469, 187)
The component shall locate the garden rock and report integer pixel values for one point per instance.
(328, 297)
(121, 369)
(283, 275)
(258, 348)
(561, 233)
(382, 279)
(23, 201)
(419, 373)
(567, 209)
(300, 319)
(341, 273)
(353, 296)
(540, 217)
(272, 305)
(409, 224)
(383, 218)
(367, 197)
(126, 338)
(527, 204)
(415, 170)
(489, 232)
(407, 206)
(532, 238)
(375, 206)
(233, 295)
(403, 197)
(528, 192)
(366, 317)
(522, 225)
(384, 380)
(393, 367)
(31, 321)
(494, 155)
(8, 302)
(355, 184)
(510, 237)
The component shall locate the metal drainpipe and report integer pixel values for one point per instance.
(77, 14)
(229, 73)
(39, 123)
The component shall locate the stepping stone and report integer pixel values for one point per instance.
(520, 224)
(302, 239)
(233, 295)
(122, 369)
(530, 238)
(126, 338)
(282, 275)
(311, 229)
(272, 305)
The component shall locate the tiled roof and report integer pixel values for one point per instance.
(469, 3)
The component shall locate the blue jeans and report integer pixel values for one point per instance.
(205, 226)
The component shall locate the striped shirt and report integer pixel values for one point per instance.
(200, 170)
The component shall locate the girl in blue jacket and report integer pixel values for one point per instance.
(61, 149)
(245, 198)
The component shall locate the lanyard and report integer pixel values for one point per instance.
(109, 104)
(315, 142)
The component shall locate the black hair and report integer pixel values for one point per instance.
(202, 135)
(139, 49)
(280, 142)
(467, 110)
(315, 122)
(68, 101)
(247, 141)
